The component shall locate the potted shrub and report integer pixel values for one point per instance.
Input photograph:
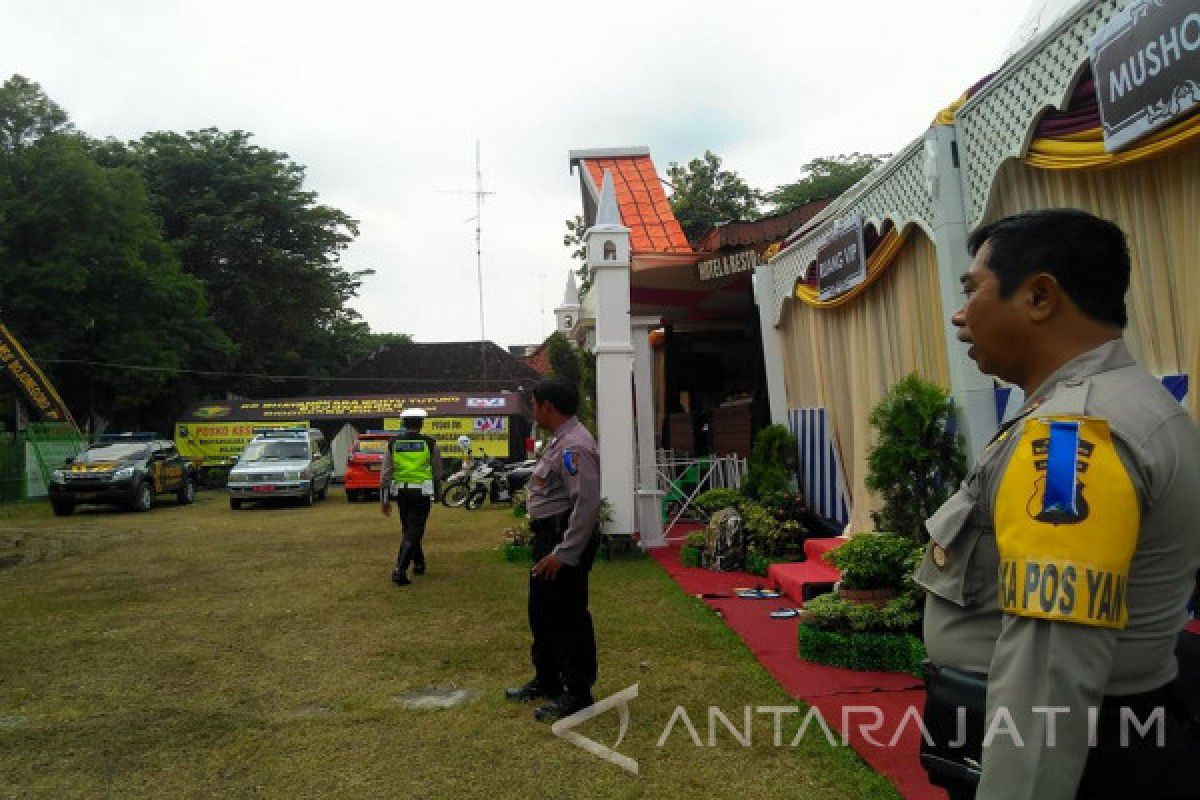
(873, 566)
(841, 633)
(916, 461)
(771, 464)
(692, 552)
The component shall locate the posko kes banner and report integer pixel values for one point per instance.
(489, 434)
(218, 442)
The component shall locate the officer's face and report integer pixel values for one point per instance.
(995, 327)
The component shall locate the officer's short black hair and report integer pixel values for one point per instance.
(561, 394)
(1088, 256)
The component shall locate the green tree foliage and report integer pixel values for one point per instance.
(84, 273)
(772, 463)
(266, 251)
(915, 463)
(563, 358)
(574, 240)
(824, 177)
(703, 194)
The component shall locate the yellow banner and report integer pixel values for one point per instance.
(44, 401)
(218, 442)
(487, 433)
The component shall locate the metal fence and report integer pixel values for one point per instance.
(683, 479)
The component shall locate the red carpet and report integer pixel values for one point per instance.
(792, 578)
(830, 689)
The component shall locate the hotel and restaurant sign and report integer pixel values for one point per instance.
(731, 264)
(841, 258)
(1146, 63)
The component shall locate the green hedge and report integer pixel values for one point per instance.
(873, 652)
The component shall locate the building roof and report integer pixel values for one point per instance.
(767, 230)
(407, 367)
(641, 199)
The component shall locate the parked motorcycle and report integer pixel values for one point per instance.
(456, 487)
(501, 483)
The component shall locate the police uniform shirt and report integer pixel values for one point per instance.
(1062, 567)
(385, 476)
(567, 478)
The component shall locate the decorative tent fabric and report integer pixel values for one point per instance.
(1085, 149)
(880, 259)
(845, 358)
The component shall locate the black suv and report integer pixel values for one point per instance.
(123, 469)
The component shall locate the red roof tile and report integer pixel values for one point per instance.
(642, 202)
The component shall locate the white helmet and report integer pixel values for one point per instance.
(413, 413)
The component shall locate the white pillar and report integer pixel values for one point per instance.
(649, 496)
(974, 396)
(608, 256)
(772, 350)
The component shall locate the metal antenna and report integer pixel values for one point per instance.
(478, 219)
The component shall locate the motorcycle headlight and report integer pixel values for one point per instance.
(124, 473)
(59, 476)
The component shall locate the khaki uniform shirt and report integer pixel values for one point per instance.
(567, 478)
(1045, 662)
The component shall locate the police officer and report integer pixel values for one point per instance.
(1058, 574)
(411, 475)
(564, 503)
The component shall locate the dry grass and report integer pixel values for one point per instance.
(199, 652)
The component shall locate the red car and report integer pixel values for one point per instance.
(363, 465)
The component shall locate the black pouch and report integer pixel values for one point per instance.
(955, 708)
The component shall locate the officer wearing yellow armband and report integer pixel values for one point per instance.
(411, 475)
(1059, 573)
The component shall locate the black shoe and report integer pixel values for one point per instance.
(419, 569)
(564, 706)
(400, 579)
(530, 692)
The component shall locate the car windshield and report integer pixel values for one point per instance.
(275, 451)
(113, 452)
(371, 446)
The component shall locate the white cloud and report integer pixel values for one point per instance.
(382, 102)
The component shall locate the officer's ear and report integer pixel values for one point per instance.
(1042, 296)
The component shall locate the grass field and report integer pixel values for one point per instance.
(201, 652)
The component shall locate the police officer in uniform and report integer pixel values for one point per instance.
(564, 502)
(411, 475)
(1059, 573)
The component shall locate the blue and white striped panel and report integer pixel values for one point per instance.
(819, 467)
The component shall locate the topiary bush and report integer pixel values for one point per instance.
(916, 463)
(874, 652)
(875, 561)
(713, 500)
(771, 464)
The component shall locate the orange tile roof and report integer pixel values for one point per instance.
(642, 202)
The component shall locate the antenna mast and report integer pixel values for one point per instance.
(479, 195)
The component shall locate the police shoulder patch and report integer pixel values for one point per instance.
(1067, 522)
(570, 462)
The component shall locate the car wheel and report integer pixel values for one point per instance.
(143, 497)
(454, 495)
(235, 504)
(309, 497)
(187, 492)
(475, 499)
(63, 509)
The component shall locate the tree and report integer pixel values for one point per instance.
(703, 194)
(267, 253)
(85, 277)
(824, 177)
(563, 358)
(574, 239)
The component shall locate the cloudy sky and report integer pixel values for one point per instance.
(383, 103)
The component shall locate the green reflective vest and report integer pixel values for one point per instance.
(411, 461)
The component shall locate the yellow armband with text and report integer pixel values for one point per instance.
(1067, 521)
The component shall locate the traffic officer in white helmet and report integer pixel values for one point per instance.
(411, 477)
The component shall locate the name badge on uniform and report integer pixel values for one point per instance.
(570, 462)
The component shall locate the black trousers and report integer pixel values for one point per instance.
(1137, 768)
(413, 509)
(564, 641)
